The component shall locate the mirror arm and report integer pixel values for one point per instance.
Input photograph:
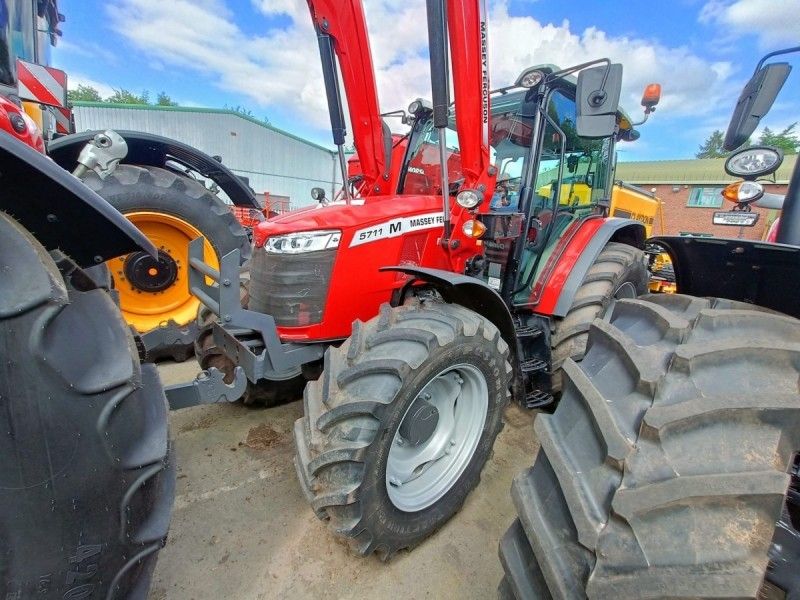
(775, 53)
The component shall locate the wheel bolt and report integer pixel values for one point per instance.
(426, 396)
(452, 442)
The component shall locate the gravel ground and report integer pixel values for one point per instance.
(241, 528)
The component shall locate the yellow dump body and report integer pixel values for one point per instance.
(632, 202)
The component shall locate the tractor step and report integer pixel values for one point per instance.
(533, 365)
(527, 331)
(537, 399)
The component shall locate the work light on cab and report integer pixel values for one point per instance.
(743, 192)
(468, 198)
(756, 161)
(307, 241)
(530, 78)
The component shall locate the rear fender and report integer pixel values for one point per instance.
(570, 264)
(60, 211)
(761, 273)
(154, 151)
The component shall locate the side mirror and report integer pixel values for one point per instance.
(597, 100)
(754, 102)
(318, 194)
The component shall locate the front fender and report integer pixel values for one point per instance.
(154, 151)
(60, 211)
(470, 293)
(570, 263)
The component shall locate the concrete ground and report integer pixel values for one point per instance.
(241, 528)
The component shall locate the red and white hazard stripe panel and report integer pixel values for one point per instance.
(44, 85)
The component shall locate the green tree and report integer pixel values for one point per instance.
(84, 93)
(164, 100)
(123, 96)
(712, 147)
(786, 140)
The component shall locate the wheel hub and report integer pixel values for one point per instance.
(437, 437)
(420, 422)
(147, 274)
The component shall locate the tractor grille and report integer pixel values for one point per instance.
(290, 287)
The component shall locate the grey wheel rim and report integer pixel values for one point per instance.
(418, 475)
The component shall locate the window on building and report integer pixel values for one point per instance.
(704, 197)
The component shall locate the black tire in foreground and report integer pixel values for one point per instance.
(388, 448)
(86, 473)
(135, 189)
(620, 271)
(665, 468)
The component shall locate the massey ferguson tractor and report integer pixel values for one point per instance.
(671, 467)
(158, 183)
(87, 473)
(419, 308)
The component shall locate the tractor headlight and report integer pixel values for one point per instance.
(305, 241)
(468, 198)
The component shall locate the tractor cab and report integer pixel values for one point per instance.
(548, 177)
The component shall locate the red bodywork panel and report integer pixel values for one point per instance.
(344, 22)
(376, 232)
(31, 136)
(566, 253)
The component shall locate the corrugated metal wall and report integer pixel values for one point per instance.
(274, 161)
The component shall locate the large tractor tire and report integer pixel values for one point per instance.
(398, 427)
(666, 466)
(171, 210)
(620, 271)
(87, 477)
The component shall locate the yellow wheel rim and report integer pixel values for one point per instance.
(152, 293)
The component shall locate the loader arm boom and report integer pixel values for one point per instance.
(467, 29)
(344, 23)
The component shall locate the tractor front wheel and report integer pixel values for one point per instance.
(397, 430)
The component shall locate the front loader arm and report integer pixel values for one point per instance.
(467, 29)
(344, 23)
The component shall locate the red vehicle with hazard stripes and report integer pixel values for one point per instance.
(171, 191)
(418, 305)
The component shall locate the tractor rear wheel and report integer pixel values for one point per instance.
(665, 467)
(397, 429)
(171, 210)
(87, 477)
(620, 271)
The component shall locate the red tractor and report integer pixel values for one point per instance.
(421, 305)
(671, 467)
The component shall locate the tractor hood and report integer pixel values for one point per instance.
(362, 221)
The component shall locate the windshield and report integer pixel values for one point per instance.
(509, 139)
(23, 35)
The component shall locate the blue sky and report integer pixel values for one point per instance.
(262, 55)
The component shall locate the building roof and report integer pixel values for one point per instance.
(195, 109)
(693, 171)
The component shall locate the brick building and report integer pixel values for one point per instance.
(690, 193)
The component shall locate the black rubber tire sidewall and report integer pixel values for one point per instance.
(89, 447)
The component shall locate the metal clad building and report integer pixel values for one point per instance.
(273, 160)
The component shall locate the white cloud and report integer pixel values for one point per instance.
(76, 79)
(281, 66)
(774, 22)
